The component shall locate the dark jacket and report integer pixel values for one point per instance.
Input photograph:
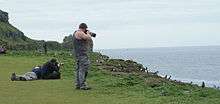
(47, 70)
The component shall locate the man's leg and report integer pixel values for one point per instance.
(15, 77)
(29, 76)
(86, 74)
(77, 75)
(83, 71)
(26, 77)
(86, 68)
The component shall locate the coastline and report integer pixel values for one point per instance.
(120, 79)
(149, 57)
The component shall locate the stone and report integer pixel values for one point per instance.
(169, 78)
(165, 77)
(3, 16)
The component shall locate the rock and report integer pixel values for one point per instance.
(146, 68)
(155, 73)
(68, 42)
(131, 61)
(165, 77)
(113, 70)
(2, 50)
(146, 71)
(105, 57)
(169, 78)
(102, 61)
(13, 39)
(3, 16)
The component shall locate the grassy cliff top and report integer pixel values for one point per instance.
(10, 36)
(114, 81)
(13, 39)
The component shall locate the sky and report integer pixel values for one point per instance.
(120, 23)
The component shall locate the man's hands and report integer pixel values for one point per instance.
(81, 35)
(60, 65)
(88, 32)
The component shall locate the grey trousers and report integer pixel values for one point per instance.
(29, 76)
(82, 67)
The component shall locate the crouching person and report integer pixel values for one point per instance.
(50, 70)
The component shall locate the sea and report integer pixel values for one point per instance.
(194, 64)
(144, 22)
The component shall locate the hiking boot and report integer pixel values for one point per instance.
(13, 77)
(85, 88)
(77, 88)
(17, 78)
(22, 79)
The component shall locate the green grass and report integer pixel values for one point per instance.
(6, 27)
(108, 88)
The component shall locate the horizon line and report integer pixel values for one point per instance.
(157, 47)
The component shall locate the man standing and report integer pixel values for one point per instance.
(81, 38)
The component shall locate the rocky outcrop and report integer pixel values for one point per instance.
(10, 36)
(68, 42)
(118, 65)
(14, 39)
(3, 16)
(7, 29)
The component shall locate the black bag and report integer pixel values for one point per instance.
(53, 75)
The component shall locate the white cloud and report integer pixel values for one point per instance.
(162, 20)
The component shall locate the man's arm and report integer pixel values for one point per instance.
(82, 35)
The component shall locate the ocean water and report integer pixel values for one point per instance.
(186, 64)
